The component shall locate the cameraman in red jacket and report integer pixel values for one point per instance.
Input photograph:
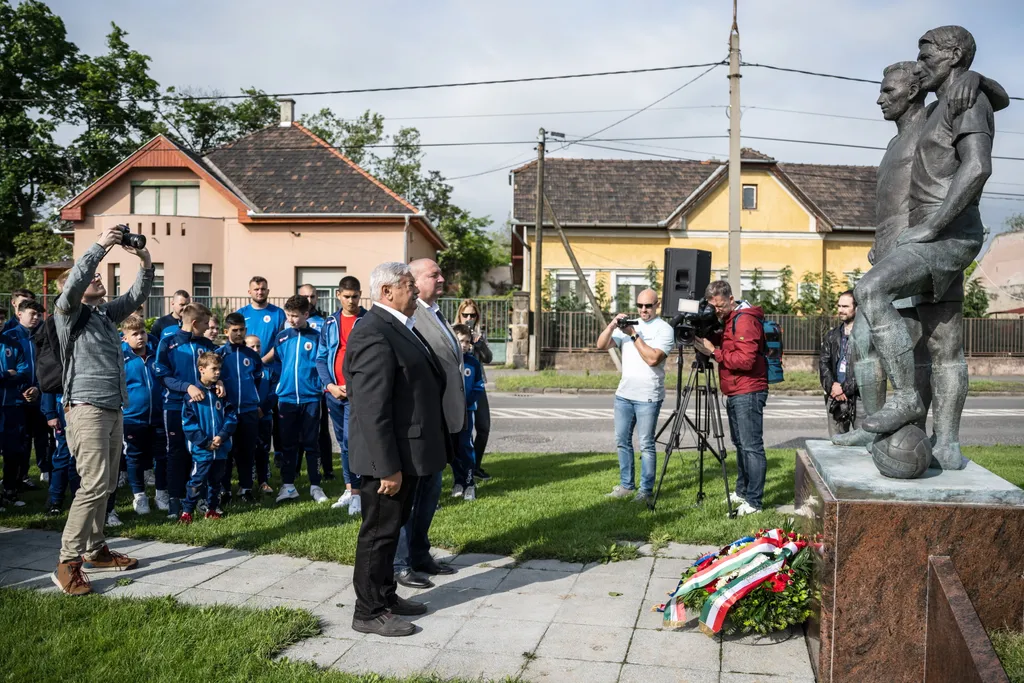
(743, 378)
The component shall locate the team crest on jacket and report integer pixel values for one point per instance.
(218, 405)
(7, 352)
(245, 362)
(467, 372)
(266, 318)
(308, 346)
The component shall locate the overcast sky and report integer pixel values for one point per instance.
(303, 45)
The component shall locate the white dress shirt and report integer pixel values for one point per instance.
(406, 320)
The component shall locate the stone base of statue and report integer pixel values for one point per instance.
(911, 570)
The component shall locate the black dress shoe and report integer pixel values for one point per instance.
(387, 625)
(329, 476)
(407, 608)
(411, 579)
(433, 567)
(481, 475)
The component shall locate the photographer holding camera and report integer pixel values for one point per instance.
(743, 375)
(645, 345)
(835, 366)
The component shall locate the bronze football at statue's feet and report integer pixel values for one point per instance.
(856, 437)
(902, 408)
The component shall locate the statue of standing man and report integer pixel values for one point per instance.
(951, 162)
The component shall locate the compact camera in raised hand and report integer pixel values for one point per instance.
(131, 239)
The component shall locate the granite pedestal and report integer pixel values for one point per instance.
(878, 535)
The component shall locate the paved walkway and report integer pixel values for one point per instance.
(541, 620)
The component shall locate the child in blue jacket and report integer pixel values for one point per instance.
(64, 477)
(145, 444)
(242, 374)
(208, 425)
(266, 411)
(298, 395)
(465, 457)
(15, 377)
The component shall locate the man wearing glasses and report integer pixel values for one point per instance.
(645, 346)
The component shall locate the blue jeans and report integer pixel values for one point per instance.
(746, 427)
(339, 411)
(642, 415)
(413, 541)
(145, 446)
(206, 474)
(465, 455)
(300, 429)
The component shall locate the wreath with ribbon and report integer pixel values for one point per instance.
(761, 583)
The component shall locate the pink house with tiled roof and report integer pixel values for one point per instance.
(279, 202)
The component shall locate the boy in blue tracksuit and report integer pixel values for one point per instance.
(267, 411)
(63, 477)
(35, 434)
(145, 444)
(208, 424)
(298, 399)
(465, 457)
(242, 374)
(14, 378)
(176, 367)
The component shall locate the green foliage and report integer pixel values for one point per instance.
(976, 299)
(204, 124)
(818, 294)
(39, 244)
(150, 322)
(778, 301)
(1015, 223)
(601, 294)
(1009, 646)
(653, 275)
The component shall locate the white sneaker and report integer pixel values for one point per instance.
(113, 519)
(620, 492)
(735, 499)
(318, 494)
(457, 491)
(345, 500)
(746, 509)
(122, 480)
(141, 504)
(287, 492)
(163, 500)
(44, 477)
(149, 477)
(470, 493)
(355, 506)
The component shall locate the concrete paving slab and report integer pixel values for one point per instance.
(552, 565)
(451, 601)
(659, 589)
(241, 580)
(483, 578)
(38, 537)
(597, 611)
(670, 567)
(184, 574)
(649, 619)
(137, 589)
(687, 551)
(779, 658)
(267, 602)
(282, 564)
(498, 636)
(435, 631)
(299, 586)
(201, 596)
(168, 552)
(654, 648)
(321, 651)
(604, 585)
(638, 568)
(468, 666)
(394, 659)
(225, 557)
(336, 622)
(329, 570)
(538, 581)
(589, 643)
(476, 559)
(537, 607)
(633, 673)
(554, 670)
(25, 578)
(27, 558)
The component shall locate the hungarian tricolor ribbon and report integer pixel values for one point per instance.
(729, 563)
(717, 606)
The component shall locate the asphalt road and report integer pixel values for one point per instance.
(553, 423)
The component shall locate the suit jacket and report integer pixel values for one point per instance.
(430, 327)
(396, 422)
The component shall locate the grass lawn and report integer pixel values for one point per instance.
(536, 506)
(49, 637)
(1009, 646)
(795, 381)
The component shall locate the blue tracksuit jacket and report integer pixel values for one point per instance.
(268, 399)
(330, 342)
(242, 374)
(145, 392)
(264, 323)
(12, 358)
(28, 350)
(473, 377)
(296, 350)
(176, 365)
(203, 420)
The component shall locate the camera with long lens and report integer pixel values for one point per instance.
(625, 322)
(696, 319)
(131, 239)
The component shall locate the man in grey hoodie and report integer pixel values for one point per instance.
(94, 394)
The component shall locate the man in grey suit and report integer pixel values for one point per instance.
(413, 559)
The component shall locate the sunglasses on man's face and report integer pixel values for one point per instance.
(639, 305)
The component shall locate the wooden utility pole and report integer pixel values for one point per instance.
(538, 270)
(735, 186)
(598, 313)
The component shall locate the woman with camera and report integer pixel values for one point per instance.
(469, 315)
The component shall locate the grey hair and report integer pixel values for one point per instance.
(387, 275)
(718, 288)
(949, 37)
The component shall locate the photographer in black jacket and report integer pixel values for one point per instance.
(836, 369)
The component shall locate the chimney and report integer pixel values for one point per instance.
(287, 111)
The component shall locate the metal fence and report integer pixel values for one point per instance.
(578, 331)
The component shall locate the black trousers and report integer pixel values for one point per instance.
(383, 518)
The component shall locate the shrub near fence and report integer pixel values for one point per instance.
(578, 331)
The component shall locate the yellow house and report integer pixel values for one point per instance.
(620, 215)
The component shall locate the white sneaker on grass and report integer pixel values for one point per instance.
(344, 501)
(736, 499)
(163, 500)
(287, 492)
(113, 519)
(458, 490)
(140, 503)
(619, 491)
(746, 509)
(355, 506)
(470, 493)
(318, 494)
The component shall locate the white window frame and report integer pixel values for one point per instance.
(634, 276)
(743, 193)
(569, 275)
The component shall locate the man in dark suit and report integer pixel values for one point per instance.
(397, 436)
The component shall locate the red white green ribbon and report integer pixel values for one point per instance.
(729, 563)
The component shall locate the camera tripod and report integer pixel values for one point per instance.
(706, 422)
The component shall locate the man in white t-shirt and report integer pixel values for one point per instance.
(641, 391)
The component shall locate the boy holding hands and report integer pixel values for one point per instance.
(242, 374)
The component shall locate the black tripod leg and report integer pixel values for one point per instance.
(719, 432)
(675, 420)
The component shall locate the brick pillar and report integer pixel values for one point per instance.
(518, 349)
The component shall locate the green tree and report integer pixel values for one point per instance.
(1015, 223)
(976, 297)
(201, 125)
(353, 138)
(818, 294)
(653, 277)
(39, 244)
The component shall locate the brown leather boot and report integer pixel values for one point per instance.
(107, 560)
(68, 577)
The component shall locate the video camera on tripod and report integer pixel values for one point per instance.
(697, 319)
